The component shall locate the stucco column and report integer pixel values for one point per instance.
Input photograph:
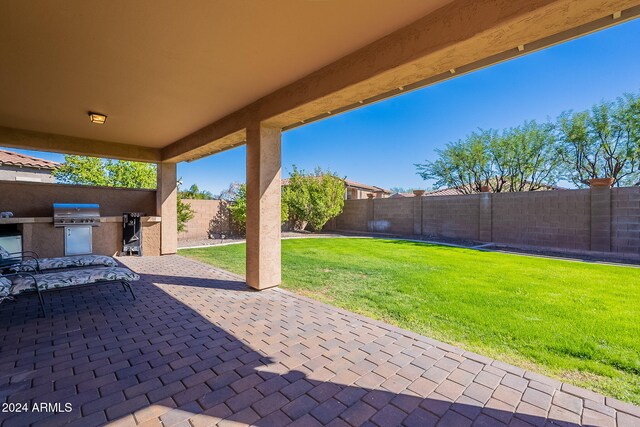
(263, 207)
(166, 207)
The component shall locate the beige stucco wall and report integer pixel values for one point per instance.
(30, 199)
(48, 241)
(35, 200)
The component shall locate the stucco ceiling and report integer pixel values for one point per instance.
(162, 69)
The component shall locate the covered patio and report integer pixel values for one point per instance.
(198, 346)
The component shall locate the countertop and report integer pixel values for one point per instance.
(47, 219)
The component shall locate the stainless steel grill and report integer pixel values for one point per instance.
(76, 214)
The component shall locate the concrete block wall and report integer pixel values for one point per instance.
(625, 220)
(392, 216)
(355, 215)
(451, 216)
(209, 216)
(556, 219)
(596, 219)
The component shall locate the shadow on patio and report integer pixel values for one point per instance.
(197, 346)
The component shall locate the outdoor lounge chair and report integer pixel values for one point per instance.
(14, 284)
(29, 261)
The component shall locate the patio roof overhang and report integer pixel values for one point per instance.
(180, 83)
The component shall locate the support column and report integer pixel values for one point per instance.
(263, 207)
(166, 208)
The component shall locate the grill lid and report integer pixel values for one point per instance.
(69, 214)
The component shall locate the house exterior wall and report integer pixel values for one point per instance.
(564, 220)
(12, 173)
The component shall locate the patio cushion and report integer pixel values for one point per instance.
(65, 262)
(61, 279)
(5, 287)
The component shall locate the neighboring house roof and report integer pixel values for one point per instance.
(444, 192)
(349, 183)
(10, 158)
(373, 188)
(457, 191)
(401, 195)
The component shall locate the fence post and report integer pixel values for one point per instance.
(601, 214)
(485, 220)
(370, 213)
(417, 212)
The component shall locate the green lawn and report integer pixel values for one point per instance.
(579, 322)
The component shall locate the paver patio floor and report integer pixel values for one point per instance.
(199, 348)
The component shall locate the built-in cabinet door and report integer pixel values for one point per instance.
(78, 240)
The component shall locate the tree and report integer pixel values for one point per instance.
(238, 208)
(464, 164)
(94, 171)
(231, 193)
(402, 189)
(185, 213)
(603, 142)
(517, 159)
(81, 170)
(194, 192)
(314, 198)
(113, 173)
(524, 158)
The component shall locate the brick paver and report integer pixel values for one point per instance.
(199, 348)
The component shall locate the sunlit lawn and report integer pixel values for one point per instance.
(575, 321)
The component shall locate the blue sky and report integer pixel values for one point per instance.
(379, 144)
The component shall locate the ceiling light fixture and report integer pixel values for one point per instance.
(97, 118)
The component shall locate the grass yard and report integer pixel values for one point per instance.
(575, 321)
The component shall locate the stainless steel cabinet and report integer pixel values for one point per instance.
(78, 240)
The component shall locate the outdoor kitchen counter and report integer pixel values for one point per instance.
(46, 219)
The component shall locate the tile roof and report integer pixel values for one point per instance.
(11, 158)
(401, 195)
(444, 192)
(349, 183)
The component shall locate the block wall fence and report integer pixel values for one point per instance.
(598, 219)
(210, 217)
